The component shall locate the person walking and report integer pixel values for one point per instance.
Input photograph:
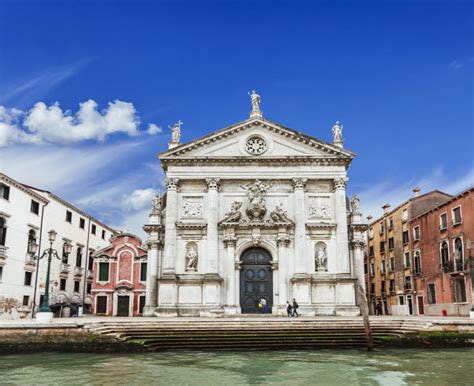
(289, 309)
(263, 302)
(295, 308)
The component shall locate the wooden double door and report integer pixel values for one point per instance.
(256, 280)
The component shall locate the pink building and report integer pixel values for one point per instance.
(118, 287)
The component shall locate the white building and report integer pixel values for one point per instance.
(25, 214)
(254, 211)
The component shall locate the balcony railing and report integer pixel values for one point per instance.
(453, 266)
(3, 252)
(407, 287)
(78, 271)
(65, 268)
(90, 274)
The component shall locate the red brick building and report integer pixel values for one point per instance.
(440, 240)
(118, 286)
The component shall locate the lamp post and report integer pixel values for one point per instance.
(44, 314)
(471, 264)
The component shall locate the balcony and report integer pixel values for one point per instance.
(30, 262)
(65, 268)
(78, 271)
(90, 274)
(455, 266)
(3, 254)
(407, 287)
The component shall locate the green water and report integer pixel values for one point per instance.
(389, 367)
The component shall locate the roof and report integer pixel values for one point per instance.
(23, 187)
(229, 130)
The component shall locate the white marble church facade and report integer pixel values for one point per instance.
(255, 210)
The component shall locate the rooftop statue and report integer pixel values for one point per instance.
(337, 132)
(255, 99)
(176, 132)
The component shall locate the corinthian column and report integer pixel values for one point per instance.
(341, 229)
(282, 244)
(300, 219)
(213, 185)
(169, 264)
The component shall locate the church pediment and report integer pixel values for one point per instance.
(256, 139)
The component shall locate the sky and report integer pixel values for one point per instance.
(88, 89)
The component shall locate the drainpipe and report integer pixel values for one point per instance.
(86, 267)
(39, 254)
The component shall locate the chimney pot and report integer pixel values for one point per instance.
(416, 191)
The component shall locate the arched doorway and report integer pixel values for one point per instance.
(256, 280)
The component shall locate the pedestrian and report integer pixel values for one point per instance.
(263, 302)
(295, 308)
(289, 309)
(379, 309)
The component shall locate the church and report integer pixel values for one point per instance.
(254, 211)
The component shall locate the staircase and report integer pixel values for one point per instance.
(256, 333)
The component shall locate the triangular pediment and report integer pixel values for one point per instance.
(253, 139)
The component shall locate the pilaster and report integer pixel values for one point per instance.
(342, 249)
(169, 264)
(299, 185)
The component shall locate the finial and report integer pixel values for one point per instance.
(255, 100)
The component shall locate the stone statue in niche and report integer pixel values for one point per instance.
(255, 193)
(234, 215)
(192, 208)
(156, 205)
(355, 204)
(191, 257)
(279, 214)
(319, 210)
(321, 257)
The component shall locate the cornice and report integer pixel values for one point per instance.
(23, 188)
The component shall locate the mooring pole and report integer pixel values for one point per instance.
(364, 311)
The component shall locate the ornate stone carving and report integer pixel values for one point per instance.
(299, 183)
(230, 241)
(255, 193)
(149, 228)
(283, 241)
(256, 145)
(321, 257)
(319, 209)
(192, 207)
(337, 133)
(191, 256)
(279, 214)
(234, 215)
(213, 183)
(256, 239)
(339, 183)
(156, 205)
(355, 204)
(172, 184)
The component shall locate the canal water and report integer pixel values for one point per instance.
(328, 367)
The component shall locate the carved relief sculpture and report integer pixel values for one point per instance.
(319, 209)
(191, 256)
(321, 257)
(279, 214)
(192, 208)
(234, 215)
(255, 193)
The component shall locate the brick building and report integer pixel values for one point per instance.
(118, 286)
(389, 260)
(441, 246)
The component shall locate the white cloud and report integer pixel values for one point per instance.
(139, 198)
(10, 132)
(153, 129)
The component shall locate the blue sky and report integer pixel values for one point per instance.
(398, 74)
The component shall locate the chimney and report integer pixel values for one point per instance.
(416, 191)
(385, 208)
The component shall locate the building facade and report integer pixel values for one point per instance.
(441, 242)
(254, 211)
(26, 216)
(390, 259)
(118, 287)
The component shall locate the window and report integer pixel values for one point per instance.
(407, 260)
(77, 286)
(443, 221)
(417, 262)
(457, 218)
(401, 300)
(382, 267)
(1, 274)
(3, 231)
(64, 257)
(82, 223)
(404, 215)
(90, 263)
(79, 257)
(390, 223)
(103, 234)
(381, 228)
(382, 246)
(35, 207)
(392, 285)
(5, 191)
(31, 238)
(365, 268)
(143, 272)
(141, 304)
(89, 288)
(372, 269)
(93, 229)
(68, 216)
(28, 276)
(460, 290)
(101, 305)
(26, 300)
(391, 243)
(444, 253)
(371, 250)
(458, 253)
(371, 232)
(384, 286)
(62, 284)
(372, 288)
(103, 271)
(392, 263)
(406, 238)
(416, 233)
(407, 282)
(431, 293)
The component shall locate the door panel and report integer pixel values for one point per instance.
(123, 303)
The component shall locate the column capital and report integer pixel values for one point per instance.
(154, 243)
(172, 184)
(230, 241)
(283, 240)
(339, 183)
(299, 183)
(213, 183)
(358, 243)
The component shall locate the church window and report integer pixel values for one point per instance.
(256, 145)
(103, 271)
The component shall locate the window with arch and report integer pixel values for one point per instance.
(79, 257)
(3, 231)
(65, 255)
(417, 262)
(444, 253)
(458, 252)
(31, 238)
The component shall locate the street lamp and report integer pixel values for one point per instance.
(471, 264)
(44, 314)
